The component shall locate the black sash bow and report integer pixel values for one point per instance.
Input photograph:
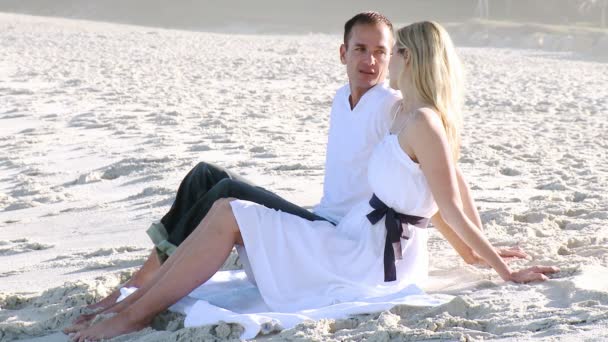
(394, 232)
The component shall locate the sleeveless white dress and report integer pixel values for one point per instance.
(299, 264)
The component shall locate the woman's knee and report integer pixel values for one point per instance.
(224, 218)
(223, 205)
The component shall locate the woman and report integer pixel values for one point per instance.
(299, 264)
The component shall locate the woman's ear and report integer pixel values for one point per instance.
(407, 56)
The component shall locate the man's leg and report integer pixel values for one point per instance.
(202, 178)
(235, 189)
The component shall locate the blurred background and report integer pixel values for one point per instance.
(327, 16)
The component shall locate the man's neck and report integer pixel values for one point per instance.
(356, 95)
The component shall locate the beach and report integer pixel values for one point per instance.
(99, 122)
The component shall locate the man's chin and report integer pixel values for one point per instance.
(369, 83)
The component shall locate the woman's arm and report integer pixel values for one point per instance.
(470, 209)
(465, 252)
(467, 200)
(426, 140)
(469, 256)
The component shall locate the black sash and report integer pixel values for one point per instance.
(394, 232)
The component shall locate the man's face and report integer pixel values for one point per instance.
(366, 55)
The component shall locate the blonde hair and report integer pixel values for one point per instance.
(436, 74)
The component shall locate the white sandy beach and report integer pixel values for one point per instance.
(99, 123)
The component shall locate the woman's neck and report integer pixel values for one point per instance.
(411, 97)
(412, 101)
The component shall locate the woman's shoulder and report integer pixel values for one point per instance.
(424, 120)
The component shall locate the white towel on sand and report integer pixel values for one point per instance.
(229, 297)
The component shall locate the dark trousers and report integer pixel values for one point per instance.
(201, 187)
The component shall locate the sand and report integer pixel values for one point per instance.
(99, 123)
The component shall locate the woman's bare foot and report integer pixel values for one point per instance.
(145, 273)
(111, 327)
(82, 322)
(104, 303)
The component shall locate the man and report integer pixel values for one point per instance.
(360, 117)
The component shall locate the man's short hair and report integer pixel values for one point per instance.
(365, 18)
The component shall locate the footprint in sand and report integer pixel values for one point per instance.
(20, 205)
(200, 148)
(14, 301)
(116, 263)
(570, 225)
(532, 217)
(21, 246)
(86, 178)
(501, 148)
(294, 167)
(111, 251)
(498, 216)
(119, 257)
(246, 163)
(258, 149)
(224, 141)
(557, 185)
(151, 191)
(129, 166)
(600, 215)
(578, 197)
(9, 274)
(507, 171)
(576, 212)
(267, 155)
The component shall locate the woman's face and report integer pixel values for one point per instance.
(395, 66)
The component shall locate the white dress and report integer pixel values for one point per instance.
(299, 264)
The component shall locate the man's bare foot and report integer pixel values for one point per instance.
(112, 327)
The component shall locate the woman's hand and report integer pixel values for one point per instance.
(511, 253)
(507, 254)
(534, 273)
